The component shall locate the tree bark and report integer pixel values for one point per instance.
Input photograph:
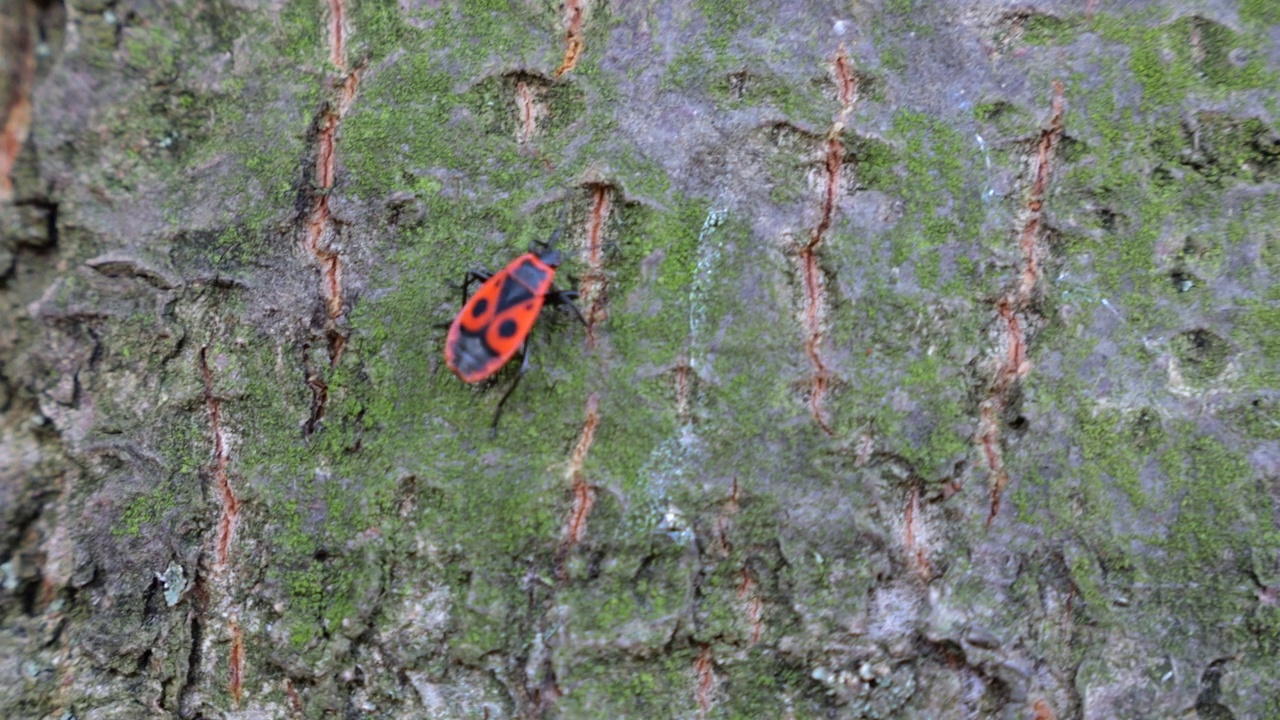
(929, 370)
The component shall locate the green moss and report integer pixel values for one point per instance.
(1257, 418)
(660, 687)
(900, 7)
(727, 17)
(894, 59)
(301, 34)
(1134, 465)
(941, 207)
(1169, 64)
(942, 431)
(1260, 328)
(1216, 517)
(164, 116)
(414, 117)
(874, 162)
(640, 176)
(733, 80)
(465, 35)
(1261, 12)
(990, 110)
(1132, 210)
(761, 685)
(1202, 356)
(146, 509)
(1042, 29)
(1112, 457)
(153, 50)
(1220, 149)
(754, 87)
(1264, 622)
(258, 155)
(1087, 578)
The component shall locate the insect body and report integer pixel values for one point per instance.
(496, 320)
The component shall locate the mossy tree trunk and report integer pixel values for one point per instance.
(930, 371)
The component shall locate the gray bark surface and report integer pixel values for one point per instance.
(930, 366)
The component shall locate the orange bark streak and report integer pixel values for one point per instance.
(846, 81)
(754, 606)
(527, 106)
(230, 510)
(237, 662)
(1013, 367)
(702, 668)
(583, 493)
(917, 554)
(811, 272)
(17, 107)
(337, 39)
(574, 43)
(1043, 711)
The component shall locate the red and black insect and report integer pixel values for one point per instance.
(495, 322)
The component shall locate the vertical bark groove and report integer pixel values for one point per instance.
(1011, 364)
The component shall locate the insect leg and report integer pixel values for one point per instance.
(566, 297)
(524, 365)
(478, 274)
(555, 234)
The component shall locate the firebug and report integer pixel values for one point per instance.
(495, 322)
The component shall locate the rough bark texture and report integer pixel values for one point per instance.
(932, 365)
